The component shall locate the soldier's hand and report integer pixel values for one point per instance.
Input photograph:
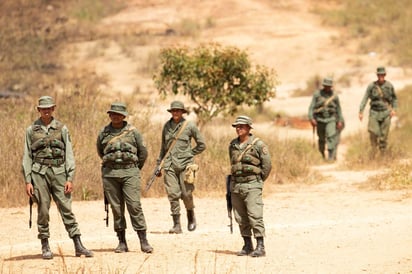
(393, 113)
(159, 173)
(313, 123)
(339, 125)
(68, 187)
(29, 190)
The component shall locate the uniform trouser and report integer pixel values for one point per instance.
(328, 135)
(247, 206)
(177, 189)
(47, 186)
(125, 190)
(378, 127)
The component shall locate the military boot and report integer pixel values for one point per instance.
(331, 155)
(122, 247)
(247, 247)
(260, 248)
(144, 244)
(176, 229)
(79, 248)
(191, 220)
(45, 249)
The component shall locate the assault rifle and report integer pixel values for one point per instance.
(159, 167)
(155, 174)
(229, 202)
(106, 208)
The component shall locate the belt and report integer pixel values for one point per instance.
(245, 179)
(379, 109)
(49, 162)
(119, 166)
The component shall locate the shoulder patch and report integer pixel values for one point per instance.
(265, 150)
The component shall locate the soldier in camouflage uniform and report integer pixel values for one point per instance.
(250, 167)
(325, 114)
(177, 160)
(48, 170)
(383, 104)
(123, 154)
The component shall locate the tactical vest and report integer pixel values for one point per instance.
(322, 110)
(380, 97)
(248, 165)
(48, 147)
(119, 149)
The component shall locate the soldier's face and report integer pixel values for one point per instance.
(381, 78)
(46, 113)
(327, 88)
(176, 114)
(116, 118)
(242, 130)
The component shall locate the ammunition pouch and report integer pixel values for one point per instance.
(120, 146)
(242, 169)
(120, 157)
(250, 159)
(44, 142)
(190, 173)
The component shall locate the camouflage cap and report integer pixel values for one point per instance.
(380, 70)
(46, 102)
(119, 108)
(327, 82)
(177, 105)
(243, 120)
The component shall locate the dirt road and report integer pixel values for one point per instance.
(328, 228)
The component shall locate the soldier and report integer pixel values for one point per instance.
(326, 115)
(250, 167)
(48, 170)
(177, 155)
(383, 104)
(123, 154)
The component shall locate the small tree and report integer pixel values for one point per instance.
(217, 79)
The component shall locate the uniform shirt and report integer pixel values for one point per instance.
(235, 148)
(331, 112)
(379, 101)
(30, 166)
(182, 153)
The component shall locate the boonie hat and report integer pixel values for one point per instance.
(381, 70)
(327, 82)
(46, 102)
(119, 108)
(177, 105)
(243, 120)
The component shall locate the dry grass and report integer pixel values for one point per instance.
(372, 22)
(78, 108)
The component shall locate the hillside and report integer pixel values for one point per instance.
(331, 227)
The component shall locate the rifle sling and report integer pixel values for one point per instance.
(249, 146)
(173, 143)
(382, 97)
(325, 103)
(120, 135)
